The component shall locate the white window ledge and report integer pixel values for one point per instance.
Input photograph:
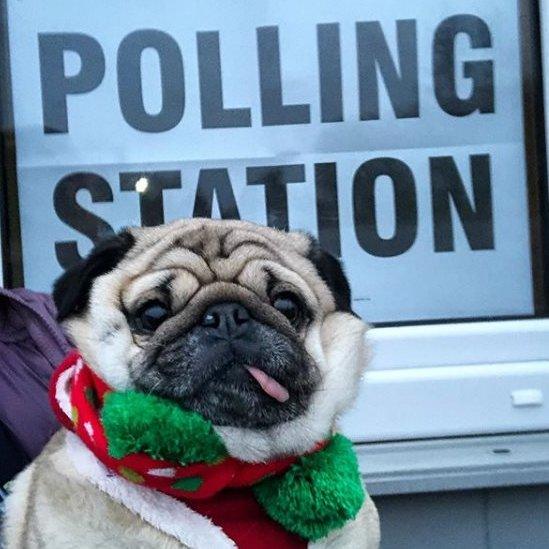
(392, 468)
(453, 380)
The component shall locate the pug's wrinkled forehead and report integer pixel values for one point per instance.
(177, 260)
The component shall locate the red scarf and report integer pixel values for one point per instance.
(76, 395)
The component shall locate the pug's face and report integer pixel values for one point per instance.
(249, 326)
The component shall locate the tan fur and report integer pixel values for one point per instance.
(53, 507)
(205, 260)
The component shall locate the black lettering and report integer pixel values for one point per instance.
(56, 85)
(273, 110)
(275, 179)
(364, 210)
(327, 205)
(373, 53)
(477, 219)
(481, 73)
(215, 182)
(151, 200)
(329, 63)
(214, 114)
(130, 83)
(72, 214)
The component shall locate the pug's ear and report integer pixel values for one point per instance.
(71, 291)
(331, 271)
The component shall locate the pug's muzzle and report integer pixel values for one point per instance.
(232, 367)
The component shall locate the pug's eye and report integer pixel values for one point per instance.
(287, 304)
(151, 315)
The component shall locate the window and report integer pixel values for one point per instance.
(407, 136)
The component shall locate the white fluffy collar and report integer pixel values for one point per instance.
(167, 514)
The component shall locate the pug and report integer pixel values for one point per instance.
(177, 311)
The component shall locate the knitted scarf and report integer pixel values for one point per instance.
(152, 442)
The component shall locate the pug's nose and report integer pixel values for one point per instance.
(226, 320)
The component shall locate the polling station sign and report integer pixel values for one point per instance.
(391, 130)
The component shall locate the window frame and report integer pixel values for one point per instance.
(534, 147)
(452, 380)
(10, 233)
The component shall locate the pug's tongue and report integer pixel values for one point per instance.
(269, 385)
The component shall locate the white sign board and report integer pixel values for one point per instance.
(391, 130)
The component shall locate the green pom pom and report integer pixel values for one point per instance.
(136, 422)
(318, 494)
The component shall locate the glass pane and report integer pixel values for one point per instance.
(392, 130)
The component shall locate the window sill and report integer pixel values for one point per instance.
(454, 464)
(453, 380)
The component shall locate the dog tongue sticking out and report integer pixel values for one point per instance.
(269, 385)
